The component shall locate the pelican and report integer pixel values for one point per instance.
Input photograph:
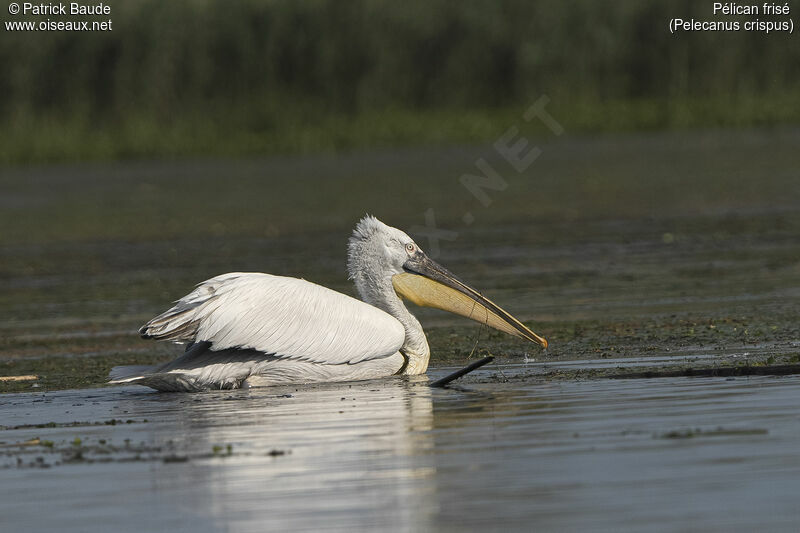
(253, 329)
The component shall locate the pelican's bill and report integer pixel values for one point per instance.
(448, 293)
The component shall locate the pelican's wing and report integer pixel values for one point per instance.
(285, 317)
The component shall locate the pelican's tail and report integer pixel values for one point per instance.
(130, 374)
(151, 376)
(197, 369)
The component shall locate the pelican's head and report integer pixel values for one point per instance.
(382, 258)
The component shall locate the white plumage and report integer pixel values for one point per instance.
(252, 329)
(285, 317)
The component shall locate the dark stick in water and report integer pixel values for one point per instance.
(466, 370)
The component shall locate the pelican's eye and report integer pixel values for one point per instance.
(410, 248)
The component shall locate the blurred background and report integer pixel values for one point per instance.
(214, 78)
(200, 137)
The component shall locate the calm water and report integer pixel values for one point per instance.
(684, 454)
(615, 249)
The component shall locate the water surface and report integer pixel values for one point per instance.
(711, 454)
(642, 252)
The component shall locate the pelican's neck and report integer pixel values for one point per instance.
(382, 295)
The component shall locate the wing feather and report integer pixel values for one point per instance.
(281, 316)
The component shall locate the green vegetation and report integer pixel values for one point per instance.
(186, 78)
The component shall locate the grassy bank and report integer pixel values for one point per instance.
(185, 78)
(226, 132)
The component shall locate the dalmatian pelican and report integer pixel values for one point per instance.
(253, 329)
